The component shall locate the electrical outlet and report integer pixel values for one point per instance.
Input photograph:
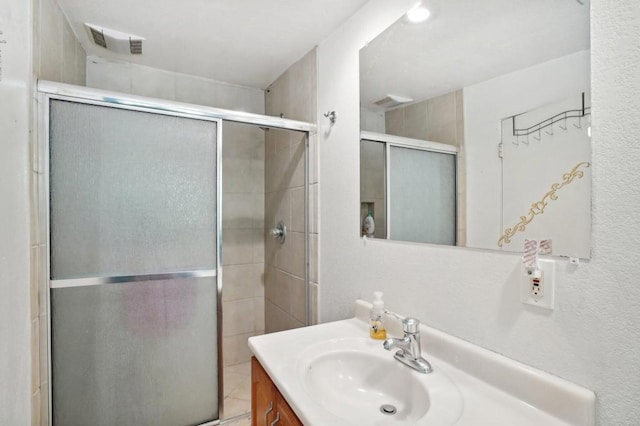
(537, 286)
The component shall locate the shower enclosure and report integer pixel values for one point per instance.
(133, 198)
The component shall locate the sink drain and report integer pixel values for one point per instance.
(388, 409)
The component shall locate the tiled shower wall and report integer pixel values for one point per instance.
(293, 95)
(242, 185)
(57, 56)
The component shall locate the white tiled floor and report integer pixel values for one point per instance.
(237, 392)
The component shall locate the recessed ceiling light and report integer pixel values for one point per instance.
(418, 14)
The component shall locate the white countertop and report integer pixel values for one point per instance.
(495, 390)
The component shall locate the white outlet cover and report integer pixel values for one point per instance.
(547, 281)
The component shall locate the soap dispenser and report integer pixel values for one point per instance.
(369, 225)
(377, 330)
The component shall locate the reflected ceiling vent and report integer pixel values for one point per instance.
(115, 41)
(391, 101)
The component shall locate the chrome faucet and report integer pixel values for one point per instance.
(409, 353)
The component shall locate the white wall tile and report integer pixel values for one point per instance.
(237, 246)
(282, 201)
(237, 175)
(297, 299)
(235, 349)
(259, 236)
(81, 65)
(297, 197)
(239, 317)
(243, 281)
(147, 81)
(278, 287)
(51, 22)
(294, 94)
(276, 319)
(258, 308)
(297, 160)
(106, 75)
(69, 42)
(195, 90)
(291, 257)
(415, 120)
(237, 211)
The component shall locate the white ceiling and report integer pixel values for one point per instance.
(469, 41)
(246, 42)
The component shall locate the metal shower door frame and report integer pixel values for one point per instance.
(48, 91)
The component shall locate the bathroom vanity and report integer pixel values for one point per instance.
(333, 373)
(268, 406)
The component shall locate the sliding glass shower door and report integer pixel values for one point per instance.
(134, 254)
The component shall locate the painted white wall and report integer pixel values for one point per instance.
(593, 336)
(485, 104)
(15, 107)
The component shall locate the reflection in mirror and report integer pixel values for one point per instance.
(505, 84)
(413, 184)
(555, 138)
(373, 186)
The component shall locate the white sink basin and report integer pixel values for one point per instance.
(359, 382)
(334, 374)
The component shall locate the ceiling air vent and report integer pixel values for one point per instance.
(135, 46)
(98, 37)
(115, 41)
(391, 101)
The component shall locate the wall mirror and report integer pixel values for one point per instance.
(475, 126)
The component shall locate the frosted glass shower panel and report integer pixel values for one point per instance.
(141, 353)
(131, 192)
(422, 196)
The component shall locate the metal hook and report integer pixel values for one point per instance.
(332, 116)
(579, 126)
(539, 136)
(551, 132)
(565, 123)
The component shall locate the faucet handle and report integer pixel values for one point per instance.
(410, 325)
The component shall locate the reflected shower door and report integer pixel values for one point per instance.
(422, 196)
(133, 264)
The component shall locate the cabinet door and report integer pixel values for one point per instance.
(287, 416)
(262, 396)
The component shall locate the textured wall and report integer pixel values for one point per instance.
(15, 105)
(593, 336)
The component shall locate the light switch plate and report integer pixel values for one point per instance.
(546, 286)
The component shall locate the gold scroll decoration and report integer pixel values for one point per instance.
(539, 206)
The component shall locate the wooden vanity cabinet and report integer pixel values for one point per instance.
(268, 406)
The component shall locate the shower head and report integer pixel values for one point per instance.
(115, 41)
